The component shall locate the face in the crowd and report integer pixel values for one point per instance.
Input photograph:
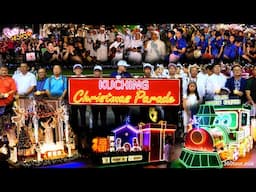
(97, 73)
(216, 69)
(137, 36)
(178, 34)
(237, 71)
(23, 68)
(3, 71)
(192, 87)
(154, 36)
(50, 47)
(121, 68)
(172, 70)
(56, 70)
(78, 71)
(232, 39)
(41, 73)
(193, 72)
(147, 71)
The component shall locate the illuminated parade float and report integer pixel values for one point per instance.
(130, 145)
(221, 132)
(40, 133)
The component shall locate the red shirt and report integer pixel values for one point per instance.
(7, 84)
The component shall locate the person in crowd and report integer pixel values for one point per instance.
(56, 85)
(250, 91)
(120, 112)
(7, 90)
(135, 49)
(99, 110)
(215, 82)
(78, 115)
(155, 49)
(236, 84)
(25, 81)
(116, 50)
(51, 56)
(190, 103)
(102, 49)
(39, 90)
(179, 48)
(71, 57)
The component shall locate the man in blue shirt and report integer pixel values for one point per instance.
(56, 85)
(121, 70)
(40, 91)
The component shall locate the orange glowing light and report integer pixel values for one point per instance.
(100, 144)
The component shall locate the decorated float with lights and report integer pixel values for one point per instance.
(133, 144)
(39, 133)
(221, 132)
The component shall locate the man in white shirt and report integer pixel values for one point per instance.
(25, 81)
(215, 82)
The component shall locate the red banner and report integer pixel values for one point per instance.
(124, 91)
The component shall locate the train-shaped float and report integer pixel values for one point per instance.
(221, 132)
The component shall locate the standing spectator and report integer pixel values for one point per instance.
(135, 49)
(51, 56)
(40, 91)
(71, 57)
(7, 90)
(120, 112)
(25, 81)
(236, 84)
(250, 91)
(215, 82)
(56, 85)
(191, 103)
(116, 50)
(102, 51)
(179, 49)
(99, 110)
(155, 49)
(78, 114)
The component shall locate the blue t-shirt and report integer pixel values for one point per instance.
(56, 86)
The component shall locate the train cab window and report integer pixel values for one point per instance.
(196, 161)
(213, 161)
(244, 119)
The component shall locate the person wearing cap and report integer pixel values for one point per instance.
(121, 71)
(116, 50)
(172, 71)
(147, 70)
(155, 49)
(78, 70)
(120, 112)
(78, 122)
(99, 110)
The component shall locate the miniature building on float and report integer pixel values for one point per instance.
(133, 144)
